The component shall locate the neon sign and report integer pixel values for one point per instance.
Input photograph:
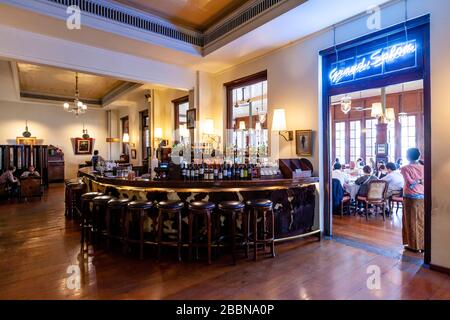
(381, 61)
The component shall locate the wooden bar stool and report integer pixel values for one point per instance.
(165, 208)
(260, 208)
(196, 210)
(86, 216)
(231, 209)
(73, 192)
(100, 206)
(143, 208)
(116, 206)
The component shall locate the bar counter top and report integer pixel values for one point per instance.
(211, 186)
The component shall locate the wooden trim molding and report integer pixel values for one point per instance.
(440, 269)
(176, 103)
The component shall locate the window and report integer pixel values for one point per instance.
(247, 115)
(181, 107)
(371, 138)
(355, 140)
(340, 141)
(408, 133)
(145, 134)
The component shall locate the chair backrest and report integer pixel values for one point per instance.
(337, 192)
(377, 190)
(30, 187)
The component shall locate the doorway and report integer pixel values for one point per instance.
(366, 64)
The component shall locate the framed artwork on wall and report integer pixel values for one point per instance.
(83, 146)
(191, 118)
(26, 141)
(133, 154)
(303, 142)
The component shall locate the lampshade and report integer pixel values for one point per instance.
(241, 125)
(126, 138)
(390, 114)
(208, 127)
(279, 120)
(158, 133)
(377, 110)
(258, 126)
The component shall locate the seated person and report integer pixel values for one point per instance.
(8, 178)
(382, 171)
(339, 174)
(353, 170)
(395, 180)
(363, 181)
(31, 172)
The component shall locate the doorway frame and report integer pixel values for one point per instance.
(422, 73)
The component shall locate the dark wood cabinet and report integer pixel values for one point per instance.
(55, 164)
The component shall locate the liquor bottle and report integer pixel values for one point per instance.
(228, 172)
(192, 172)
(202, 171)
(216, 172)
(183, 171)
(196, 172)
(220, 176)
(225, 172)
(242, 173)
(233, 171)
(211, 172)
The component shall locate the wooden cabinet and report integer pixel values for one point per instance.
(55, 171)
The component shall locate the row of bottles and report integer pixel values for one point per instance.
(202, 172)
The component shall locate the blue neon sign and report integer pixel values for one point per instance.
(389, 59)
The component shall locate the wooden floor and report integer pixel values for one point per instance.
(38, 245)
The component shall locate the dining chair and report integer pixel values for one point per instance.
(376, 196)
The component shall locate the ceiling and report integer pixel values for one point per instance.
(50, 81)
(196, 14)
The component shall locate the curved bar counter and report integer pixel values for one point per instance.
(294, 199)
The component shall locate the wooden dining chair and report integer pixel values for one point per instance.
(376, 196)
(398, 199)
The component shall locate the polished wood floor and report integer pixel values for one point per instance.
(38, 245)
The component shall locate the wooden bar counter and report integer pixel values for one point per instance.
(294, 199)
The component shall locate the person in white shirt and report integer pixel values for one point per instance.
(395, 180)
(339, 174)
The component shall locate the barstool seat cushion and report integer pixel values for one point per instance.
(75, 185)
(91, 195)
(259, 203)
(140, 205)
(171, 205)
(231, 205)
(102, 199)
(70, 181)
(118, 203)
(201, 205)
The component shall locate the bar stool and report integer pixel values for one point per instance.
(231, 209)
(260, 207)
(73, 191)
(86, 216)
(165, 208)
(116, 206)
(141, 207)
(99, 214)
(197, 209)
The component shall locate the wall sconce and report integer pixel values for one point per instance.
(242, 125)
(208, 127)
(158, 133)
(377, 110)
(279, 124)
(390, 114)
(126, 138)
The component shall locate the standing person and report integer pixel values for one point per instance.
(96, 159)
(413, 202)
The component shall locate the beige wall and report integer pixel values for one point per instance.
(293, 84)
(50, 124)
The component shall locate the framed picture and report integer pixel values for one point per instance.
(26, 141)
(303, 143)
(191, 117)
(83, 146)
(133, 154)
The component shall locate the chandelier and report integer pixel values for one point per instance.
(77, 107)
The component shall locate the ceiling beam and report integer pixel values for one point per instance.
(118, 92)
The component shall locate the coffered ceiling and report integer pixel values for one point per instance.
(50, 83)
(197, 14)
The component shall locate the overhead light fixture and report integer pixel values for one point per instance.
(390, 114)
(77, 107)
(377, 110)
(346, 104)
(279, 124)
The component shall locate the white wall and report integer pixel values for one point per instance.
(293, 84)
(50, 124)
